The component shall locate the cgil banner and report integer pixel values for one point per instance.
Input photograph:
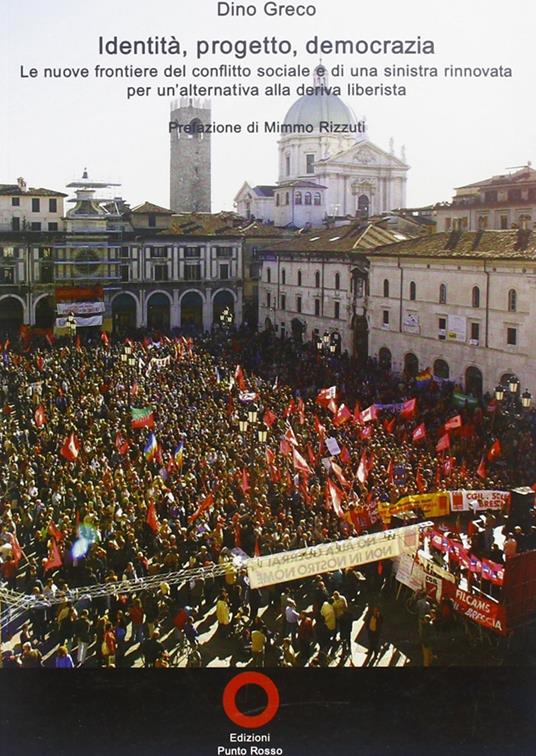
(475, 501)
(81, 322)
(328, 557)
(432, 504)
(80, 308)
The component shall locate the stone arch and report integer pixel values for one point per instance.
(441, 369)
(191, 308)
(411, 364)
(44, 311)
(220, 300)
(474, 381)
(158, 306)
(125, 309)
(12, 314)
(385, 358)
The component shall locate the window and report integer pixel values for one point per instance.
(15, 224)
(512, 300)
(385, 319)
(46, 273)
(124, 251)
(511, 336)
(286, 198)
(35, 226)
(337, 310)
(490, 196)
(52, 226)
(298, 304)
(277, 200)
(15, 201)
(309, 164)
(504, 222)
(7, 252)
(161, 272)
(442, 329)
(7, 275)
(158, 252)
(283, 276)
(268, 299)
(191, 272)
(191, 252)
(317, 199)
(287, 164)
(269, 275)
(45, 253)
(475, 331)
(36, 204)
(307, 198)
(224, 271)
(152, 220)
(386, 288)
(514, 195)
(317, 279)
(53, 205)
(297, 198)
(412, 291)
(442, 294)
(124, 273)
(283, 301)
(482, 222)
(337, 281)
(476, 297)
(299, 278)
(317, 307)
(448, 224)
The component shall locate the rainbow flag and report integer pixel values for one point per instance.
(178, 455)
(423, 379)
(151, 447)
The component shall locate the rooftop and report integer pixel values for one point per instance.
(487, 245)
(355, 237)
(16, 191)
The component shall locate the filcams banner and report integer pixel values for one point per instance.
(327, 557)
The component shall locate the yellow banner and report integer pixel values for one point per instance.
(432, 504)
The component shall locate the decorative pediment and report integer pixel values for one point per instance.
(365, 156)
(368, 155)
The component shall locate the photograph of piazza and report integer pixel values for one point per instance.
(300, 433)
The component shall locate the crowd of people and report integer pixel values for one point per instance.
(92, 494)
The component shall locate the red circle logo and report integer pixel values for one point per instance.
(232, 710)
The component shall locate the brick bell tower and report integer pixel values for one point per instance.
(189, 179)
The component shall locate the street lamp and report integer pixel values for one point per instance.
(71, 325)
(226, 318)
(252, 415)
(513, 384)
(526, 400)
(262, 435)
(242, 425)
(499, 393)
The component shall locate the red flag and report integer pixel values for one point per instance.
(344, 456)
(463, 470)
(40, 416)
(495, 450)
(409, 409)
(326, 395)
(362, 470)
(77, 344)
(290, 436)
(134, 390)
(420, 481)
(319, 428)
(444, 443)
(269, 418)
(310, 454)
(289, 409)
(334, 497)
(16, 551)
(244, 483)
(207, 502)
(339, 474)
(54, 560)
(370, 462)
(300, 408)
(448, 466)
(71, 448)
(453, 423)
(257, 548)
(6, 344)
(121, 444)
(370, 414)
(367, 432)
(357, 413)
(332, 407)
(55, 532)
(342, 416)
(240, 379)
(49, 338)
(284, 447)
(389, 425)
(104, 338)
(481, 469)
(419, 434)
(270, 456)
(391, 472)
(152, 519)
(229, 409)
(40, 362)
(300, 464)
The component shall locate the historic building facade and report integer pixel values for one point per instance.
(500, 202)
(26, 208)
(121, 268)
(462, 304)
(314, 285)
(347, 175)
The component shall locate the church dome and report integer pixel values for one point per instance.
(319, 107)
(313, 108)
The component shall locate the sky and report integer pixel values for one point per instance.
(454, 131)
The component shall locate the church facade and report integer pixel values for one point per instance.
(327, 166)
